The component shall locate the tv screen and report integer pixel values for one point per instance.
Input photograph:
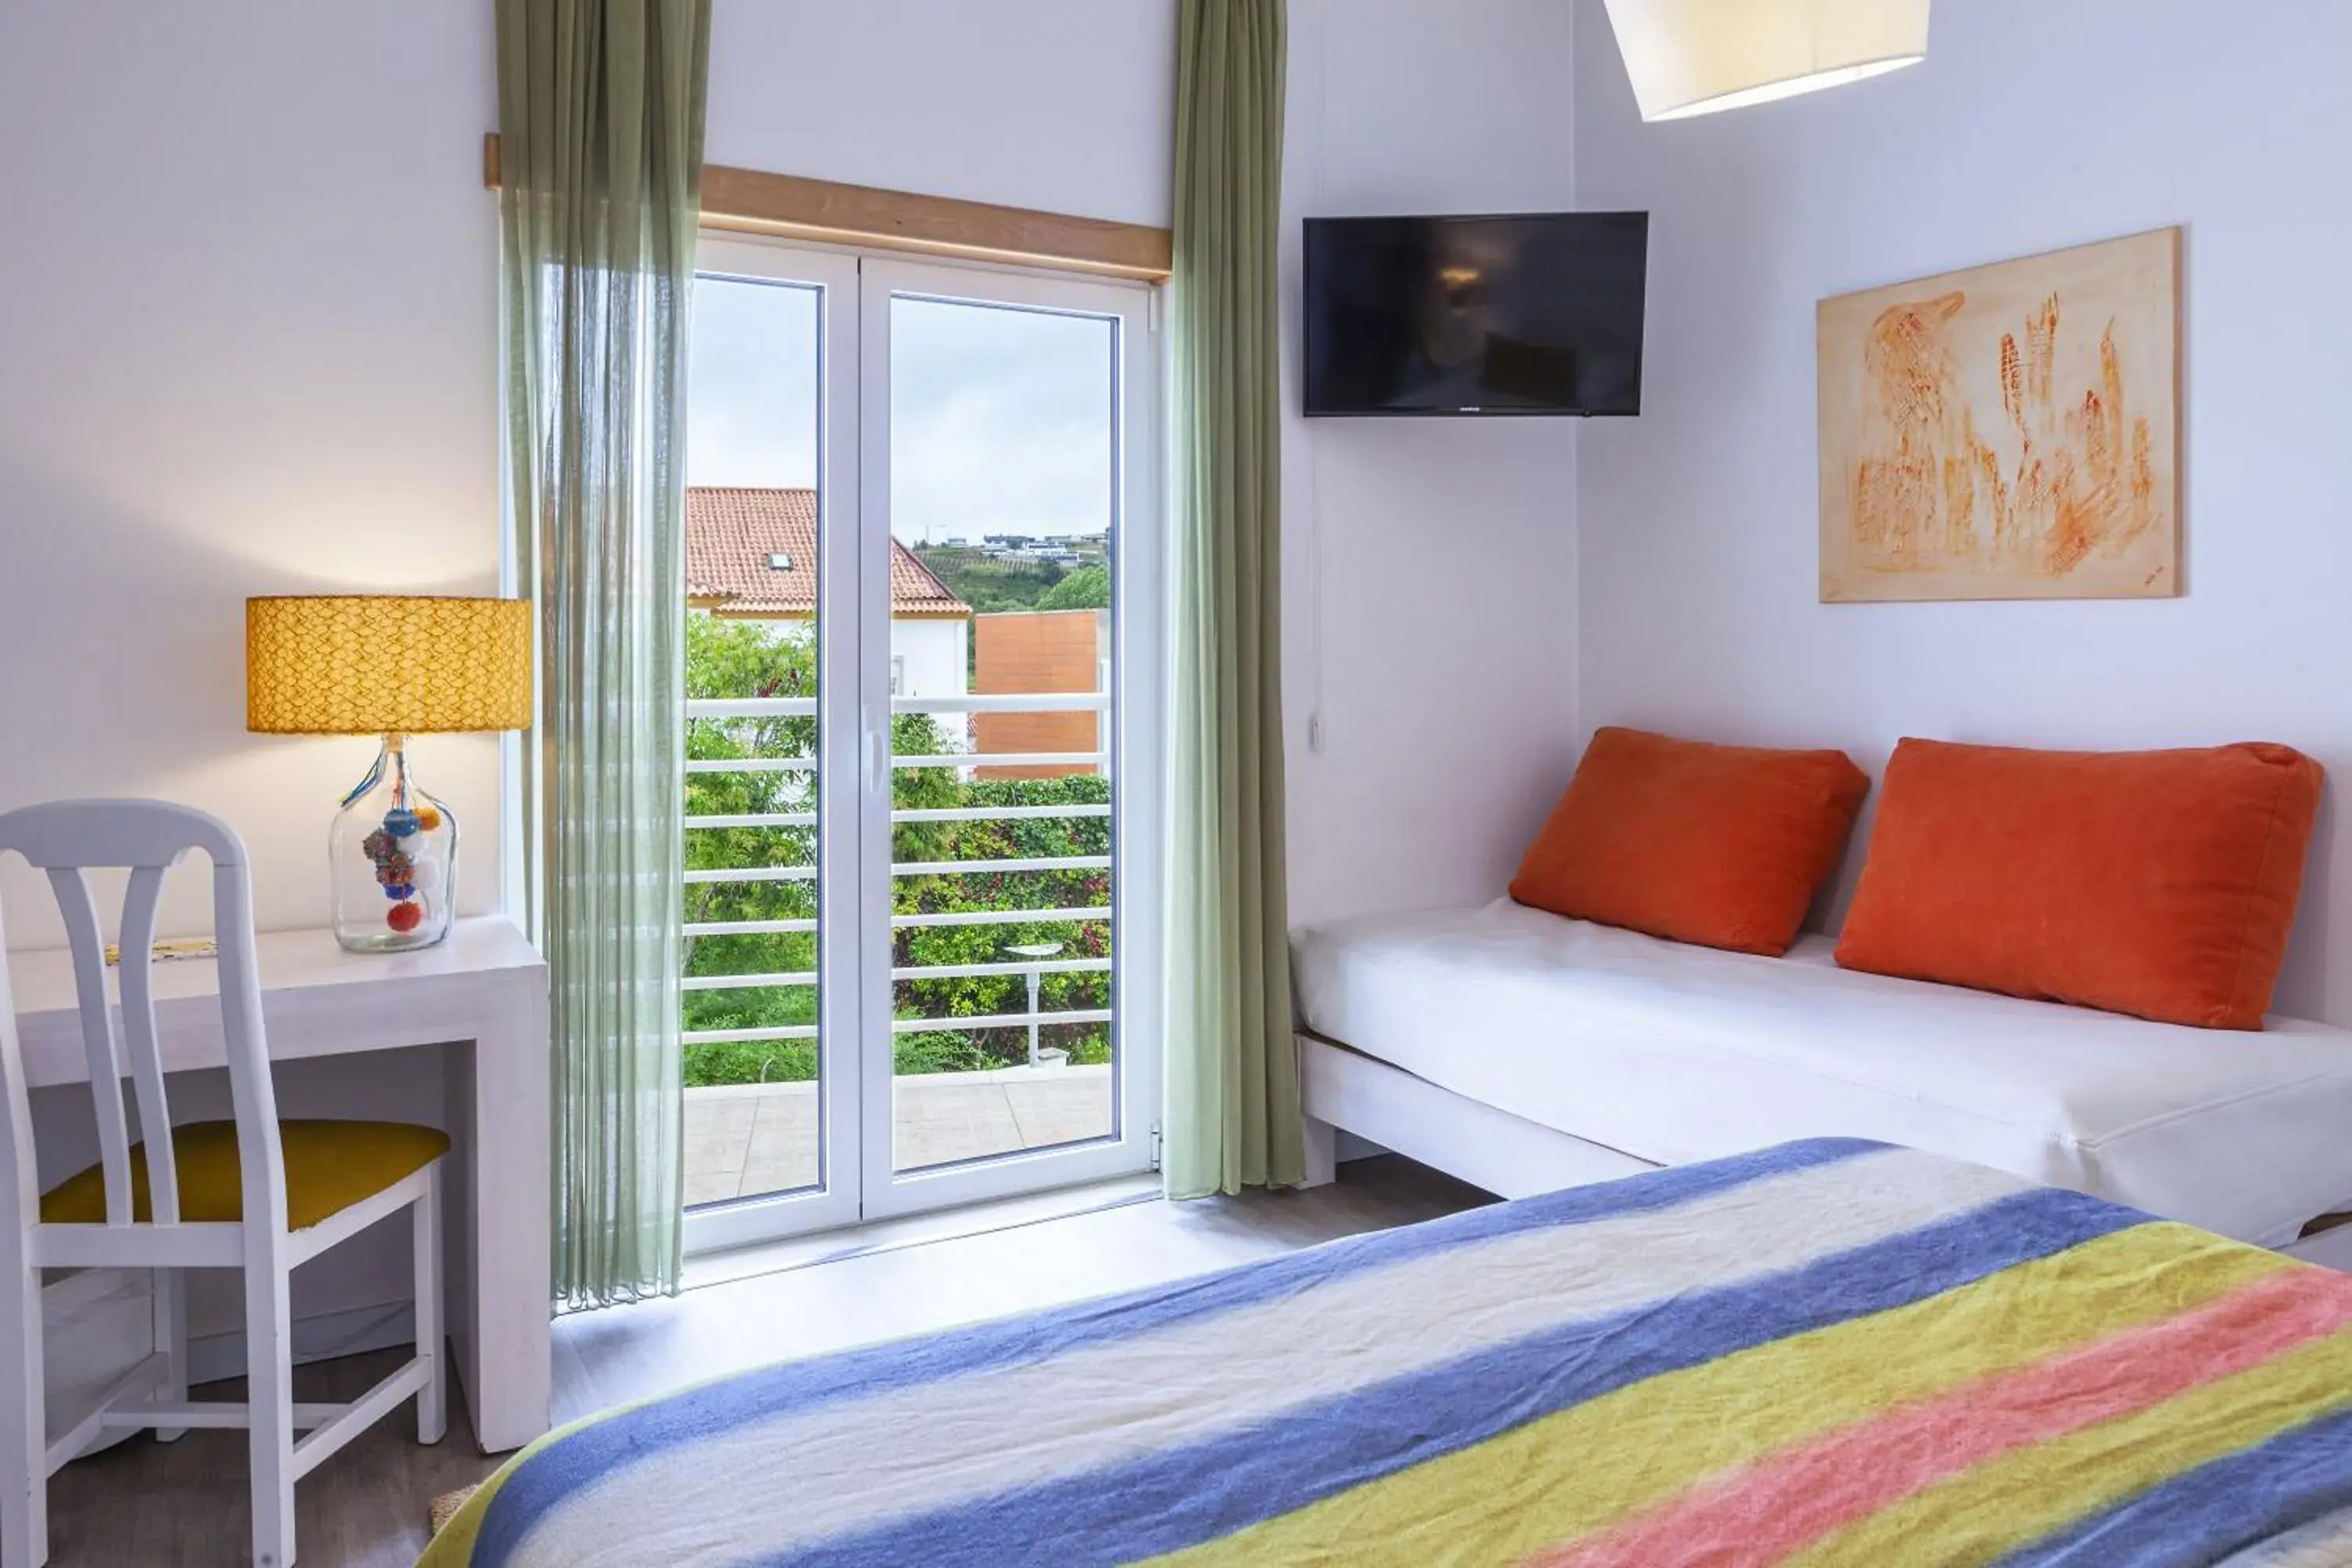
(1533, 314)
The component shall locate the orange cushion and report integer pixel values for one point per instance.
(1722, 846)
(330, 1166)
(2160, 884)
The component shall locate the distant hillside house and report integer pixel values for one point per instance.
(750, 555)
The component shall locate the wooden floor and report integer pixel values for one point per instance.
(154, 1504)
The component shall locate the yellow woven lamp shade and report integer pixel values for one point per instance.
(386, 665)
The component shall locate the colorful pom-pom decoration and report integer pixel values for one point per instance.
(401, 891)
(376, 845)
(428, 818)
(401, 822)
(405, 918)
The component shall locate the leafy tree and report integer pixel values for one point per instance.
(757, 659)
(1088, 588)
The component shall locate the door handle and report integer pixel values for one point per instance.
(875, 741)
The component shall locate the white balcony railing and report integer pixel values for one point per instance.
(960, 760)
(905, 972)
(901, 1027)
(970, 702)
(902, 923)
(804, 707)
(909, 868)
(943, 814)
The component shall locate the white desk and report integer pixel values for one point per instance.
(483, 992)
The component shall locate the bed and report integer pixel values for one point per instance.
(1830, 1352)
(1658, 1053)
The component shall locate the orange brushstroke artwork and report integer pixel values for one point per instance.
(2011, 432)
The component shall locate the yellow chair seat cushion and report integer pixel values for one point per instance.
(330, 1166)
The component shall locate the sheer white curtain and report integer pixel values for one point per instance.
(600, 113)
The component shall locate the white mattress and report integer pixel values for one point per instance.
(1672, 1053)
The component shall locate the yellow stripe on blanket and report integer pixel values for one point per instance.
(452, 1545)
(1589, 1466)
(2006, 1503)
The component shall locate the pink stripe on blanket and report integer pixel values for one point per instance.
(1763, 1511)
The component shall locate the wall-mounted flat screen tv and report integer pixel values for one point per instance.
(1539, 314)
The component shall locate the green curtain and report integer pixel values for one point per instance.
(600, 137)
(1233, 1071)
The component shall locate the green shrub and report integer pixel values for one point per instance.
(1088, 588)
(755, 659)
(750, 1061)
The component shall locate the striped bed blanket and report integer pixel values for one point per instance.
(1827, 1353)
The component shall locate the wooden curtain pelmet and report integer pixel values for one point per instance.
(752, 202)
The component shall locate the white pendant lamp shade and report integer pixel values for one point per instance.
(1697, 57)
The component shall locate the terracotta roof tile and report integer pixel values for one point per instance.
(732, 532)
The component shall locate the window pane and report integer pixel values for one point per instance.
(752, 742)
(1003, 498)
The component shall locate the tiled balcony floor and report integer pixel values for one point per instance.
(746, 1139)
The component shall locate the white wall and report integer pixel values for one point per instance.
(937, 653)
(248, 345)
(249, 310)
(1058, 104)
(1439, 645)
(254, 351)
(2032, 125)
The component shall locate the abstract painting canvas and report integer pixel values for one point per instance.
(2009, 432)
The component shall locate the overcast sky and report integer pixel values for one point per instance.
(1001, 419)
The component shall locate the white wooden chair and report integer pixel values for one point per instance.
(175, 1203)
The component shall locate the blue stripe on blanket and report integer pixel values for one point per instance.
(547, 1478)
(2215, 1509)
(1180, 1498)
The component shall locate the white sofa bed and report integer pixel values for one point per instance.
(1525, 1051)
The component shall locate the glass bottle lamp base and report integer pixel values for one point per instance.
(393, 856)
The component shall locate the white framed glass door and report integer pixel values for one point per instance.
(923, 714)
(772, 1014)
(1008, 439)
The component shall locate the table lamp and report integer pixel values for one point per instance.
(394, 666)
